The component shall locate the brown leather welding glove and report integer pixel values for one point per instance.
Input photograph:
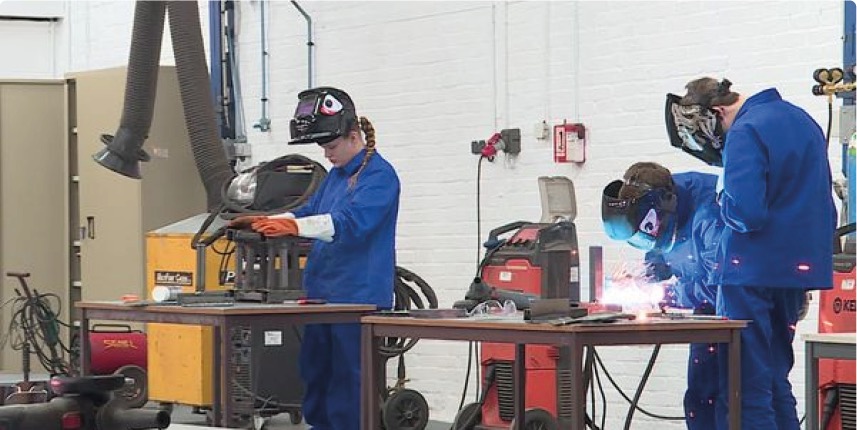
(245, 221)
(276, 227)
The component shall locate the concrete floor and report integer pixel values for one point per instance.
(184, 415)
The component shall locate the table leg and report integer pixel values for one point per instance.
(735, 381)
(227, 373)
(217, 376)
(578, 385)
(520, 384)
(372, 378)
(811, 387)
(84, 343)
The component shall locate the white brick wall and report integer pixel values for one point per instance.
(433, 76)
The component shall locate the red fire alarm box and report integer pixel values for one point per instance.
(569, 143)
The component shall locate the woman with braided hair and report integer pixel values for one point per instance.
(352, 216)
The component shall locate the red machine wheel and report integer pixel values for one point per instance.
(405, 409)
(137, 394)
(537, 419)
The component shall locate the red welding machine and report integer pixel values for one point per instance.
(837, 315)
(539, 260)
(117, 349)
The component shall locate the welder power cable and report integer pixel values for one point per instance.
(627, 399)
(597, 377)
(466, 375)
(479, 214)
(407, 297)
(34, 322)
(471, 348)
(642, 386)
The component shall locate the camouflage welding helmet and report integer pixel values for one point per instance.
(693, 125)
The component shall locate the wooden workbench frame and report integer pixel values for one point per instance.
(223, 319)
(575, 337)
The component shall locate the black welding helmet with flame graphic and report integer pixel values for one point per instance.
(322, 115)
(646, 222)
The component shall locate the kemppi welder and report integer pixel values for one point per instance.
(539, 261)
(837, 315)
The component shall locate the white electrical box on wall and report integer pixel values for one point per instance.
(569, 143)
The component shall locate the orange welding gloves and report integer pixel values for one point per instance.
(276, 227)
(245, 221)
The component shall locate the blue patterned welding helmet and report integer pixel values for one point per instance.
(646, 222)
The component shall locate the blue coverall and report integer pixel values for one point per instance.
(358, 266)
(778, 208)
(691, 260)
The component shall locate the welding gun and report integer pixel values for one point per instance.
(481, 292)
(84, 403)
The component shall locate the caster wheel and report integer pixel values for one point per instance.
(137, 394)
(468, 417)
(537, 419)
(405, 410)
(168, 407)
(296, 417)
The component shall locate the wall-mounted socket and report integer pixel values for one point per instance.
(511, 142)
(476, 146)
(512, 139)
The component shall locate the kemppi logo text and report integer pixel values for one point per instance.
(119, 343)
(848, 305)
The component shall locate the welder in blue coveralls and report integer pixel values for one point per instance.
(675, 218)
(352, 216)
(777, 204)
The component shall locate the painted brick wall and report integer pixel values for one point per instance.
(433, 76)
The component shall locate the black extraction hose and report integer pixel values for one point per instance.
(124, 152)
(194, 84)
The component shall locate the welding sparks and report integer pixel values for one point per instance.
(630, 288)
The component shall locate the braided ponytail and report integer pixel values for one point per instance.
(369, 131)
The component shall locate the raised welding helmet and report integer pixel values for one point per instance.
(322, 115)
(646, 222)
(693, 125)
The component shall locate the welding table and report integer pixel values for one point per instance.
(822, 345)
(576, 337)
(257, 316)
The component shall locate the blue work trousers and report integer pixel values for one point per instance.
(767, 401)
(702, 386)
(330, 369)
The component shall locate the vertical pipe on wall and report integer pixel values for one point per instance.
(575, 58)
(500, 47)
(309, 43)
(215, 61)
(547, 63)
(849, 60)
(264, 123)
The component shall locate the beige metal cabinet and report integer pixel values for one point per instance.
(80, 228)
(115, 212)
(34, 232)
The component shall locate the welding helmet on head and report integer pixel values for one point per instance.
(646, 222)
(696, 129)
(323, 114)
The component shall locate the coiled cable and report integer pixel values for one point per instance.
(35, 328)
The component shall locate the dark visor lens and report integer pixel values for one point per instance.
(306, 105)
(616, 213)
